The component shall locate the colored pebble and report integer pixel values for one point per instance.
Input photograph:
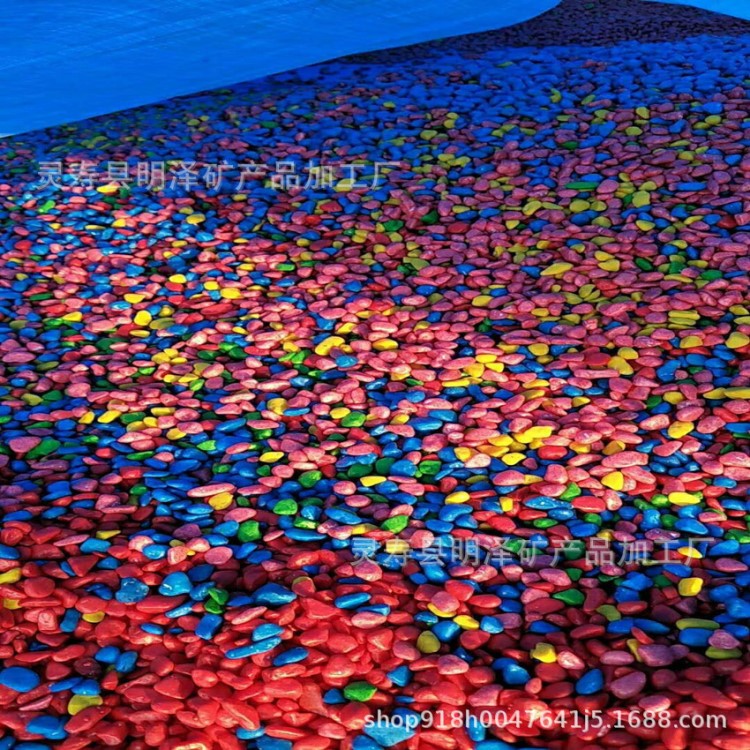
(276, 459)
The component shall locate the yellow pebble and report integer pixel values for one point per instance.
(556, 269)
(737, 340)
(142, 318)
(610, 612)
(621, 365)
(723, 653)
(270, 457)
(696, 622)
(107, 534)
(544, 652)
(474, 371)
(641, 198)
(231, 293)
(12, 603)
(531, 208)
(385, 345)
(539, 350)
(690, 586)
(195, 219)
(610, 265)
(94, 617)
(325, 346)
(457, 498)
(439, 612)
(737, 393)
(511, 459)
(277, 405)
(615, 480)
(466, 622)
(534, 433)
(78, 702)
(679, 429)
(394, 546)
(690, 552)
(371, 481)
(715, 393)
(221, 501)
(427, 643)
(683, 498)
(690, 342)
(482, 300)
(11, 576)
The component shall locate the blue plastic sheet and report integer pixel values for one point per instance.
(65, 60)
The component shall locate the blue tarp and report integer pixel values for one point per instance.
(737, 8)
(65, 60)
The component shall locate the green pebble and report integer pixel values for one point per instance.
(383, 466)
(660, 501)
(353, 419)
(305, 523)
(429, 468)
(572, 491)
(395, 524)
(544, 523)
(571, 597)
(285, 508)
(581, 186)
(219, 595)
(47, 446)
(249, 531)
(359, 691)
(309, 479)
(140, 455)
(574, 550)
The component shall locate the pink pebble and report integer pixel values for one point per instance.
(24, 444)
(629, 685)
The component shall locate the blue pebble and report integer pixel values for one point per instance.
(590, 683)
(290, 657)
(253, 648)
(273, 595)
(175, 584)
(20, 679)
(50, 727)
(131, 591)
